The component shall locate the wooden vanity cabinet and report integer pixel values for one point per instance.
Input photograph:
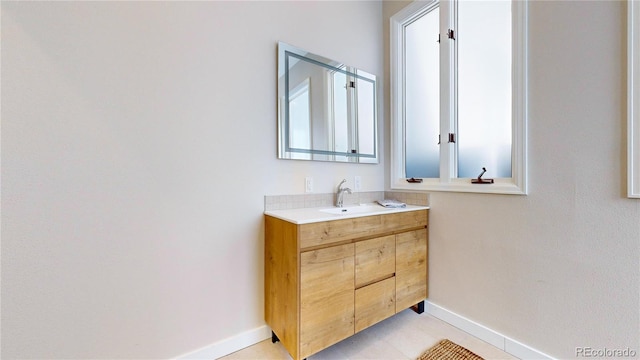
(326, 281)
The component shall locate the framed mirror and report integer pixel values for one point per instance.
(327, 111)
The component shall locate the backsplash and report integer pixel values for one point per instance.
(285, 202)
(411, 198)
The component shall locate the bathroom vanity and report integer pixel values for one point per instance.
(329, 276)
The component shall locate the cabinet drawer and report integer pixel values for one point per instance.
(375, 303)
(327, 232)
(375, 259)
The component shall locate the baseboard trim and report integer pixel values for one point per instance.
(484, 333)
(238, 342)
(230, 344)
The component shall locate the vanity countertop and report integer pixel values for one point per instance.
(312, 215)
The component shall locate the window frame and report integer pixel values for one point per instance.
(447, 181)
(633, 101)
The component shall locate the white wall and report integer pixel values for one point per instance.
(559, 268)
(138, 141)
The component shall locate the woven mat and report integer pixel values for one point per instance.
(448, 350)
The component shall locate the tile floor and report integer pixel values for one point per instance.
(404, 336)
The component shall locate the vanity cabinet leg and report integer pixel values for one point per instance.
(274, 337)
(419, 307)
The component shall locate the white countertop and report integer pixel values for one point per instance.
(312, 215)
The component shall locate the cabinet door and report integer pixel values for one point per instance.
(375, 260)
(327, 289)
(411, 268)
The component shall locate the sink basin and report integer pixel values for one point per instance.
(357, 209)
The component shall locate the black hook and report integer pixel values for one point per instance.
(484, 170)
(480, 180)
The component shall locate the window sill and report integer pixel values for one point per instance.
(500, 186)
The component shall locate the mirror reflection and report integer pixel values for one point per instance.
(327, 110)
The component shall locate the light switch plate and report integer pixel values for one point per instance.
(357, 183)
(308, 184)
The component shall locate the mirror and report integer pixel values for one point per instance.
(327, 111)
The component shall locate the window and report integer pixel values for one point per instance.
(458, 73)
(352, 110)
(300, 119)
(633, 102)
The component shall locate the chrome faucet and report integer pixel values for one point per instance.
(341, 192)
